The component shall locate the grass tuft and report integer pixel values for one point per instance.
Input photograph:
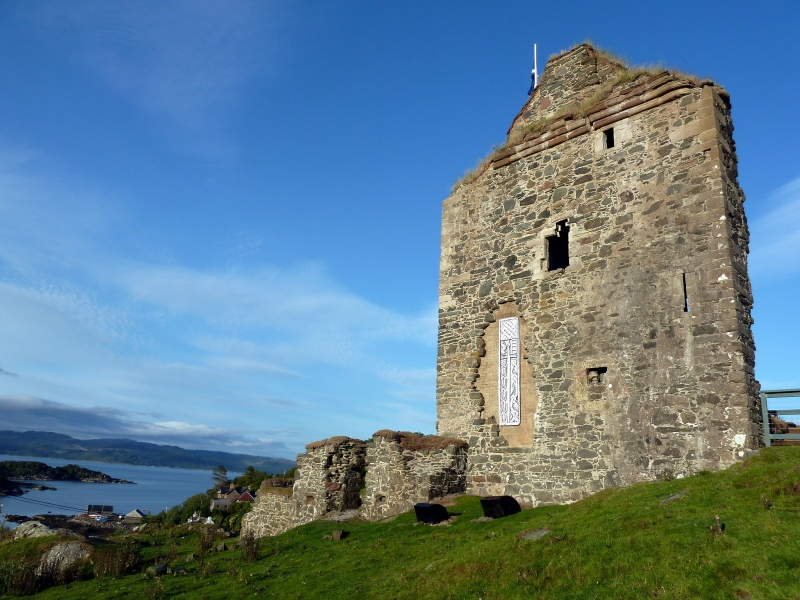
(417, 441)
(335, 441)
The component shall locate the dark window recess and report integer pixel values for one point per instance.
(685, 295)
(596, 374)
(558, 248)
(608, 137)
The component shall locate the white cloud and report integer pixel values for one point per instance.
(775, 236)
(90, 327)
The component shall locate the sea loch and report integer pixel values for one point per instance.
(156, 489)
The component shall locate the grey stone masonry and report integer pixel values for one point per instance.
(637, 350)
(398, 477)
(271, 514)
(328, 479)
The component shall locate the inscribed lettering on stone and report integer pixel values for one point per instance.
(508, 378)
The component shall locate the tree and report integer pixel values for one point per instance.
(251, 478)
(220, 475)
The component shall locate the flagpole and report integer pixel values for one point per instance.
(534, 73)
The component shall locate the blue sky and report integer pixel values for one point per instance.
(219, 221)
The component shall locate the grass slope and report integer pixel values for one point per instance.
(620, 543)
(47, 444)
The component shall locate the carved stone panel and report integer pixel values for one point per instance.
(508, 376)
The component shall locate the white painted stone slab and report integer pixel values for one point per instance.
(508, 377)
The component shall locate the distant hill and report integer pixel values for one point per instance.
(47, 444)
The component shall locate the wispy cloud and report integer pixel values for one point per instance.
(775, 236)
(7, 373)
(90, 326)
(186, 60)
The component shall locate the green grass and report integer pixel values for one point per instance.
(620, 543)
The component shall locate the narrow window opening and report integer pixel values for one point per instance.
(558, 248)
(596, 375)
(608, 137)
(685, 295)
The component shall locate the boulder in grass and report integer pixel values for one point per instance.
(497, 507)
(63, 557)
(157, 570)
(33, 529)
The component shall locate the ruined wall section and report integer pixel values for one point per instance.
(398, 478)
(718, 104)
(271, 514)
(329, 477)
(644, 216)
(328, 480)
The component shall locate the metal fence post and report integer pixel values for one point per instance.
(765, 420)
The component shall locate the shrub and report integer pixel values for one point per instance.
(121, 559)
(23, 577)
(251, 550)
(18, 578)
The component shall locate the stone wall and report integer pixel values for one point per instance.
(328, 480)
(329, 477)
(271, 514)
(656, 225)
(404, 469)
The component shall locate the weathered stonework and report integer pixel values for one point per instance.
(271, 514)
(398, 478)
(612, 227)
(619, 381)
(328, 480)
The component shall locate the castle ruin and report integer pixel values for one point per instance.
(594, 305)
(609, 238)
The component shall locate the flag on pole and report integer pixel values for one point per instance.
(534, 73)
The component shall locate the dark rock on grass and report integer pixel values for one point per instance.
(157, 570)
(499, 506)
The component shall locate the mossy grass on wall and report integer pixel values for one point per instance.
(649, 540)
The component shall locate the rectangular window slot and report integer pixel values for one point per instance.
(608, 138)
(596, 375)
(685, 295)
(558, 248)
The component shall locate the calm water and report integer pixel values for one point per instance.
(156, 488)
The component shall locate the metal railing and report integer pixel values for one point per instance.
(765, 410)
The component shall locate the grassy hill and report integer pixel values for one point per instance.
(47, 444)
(620, 543)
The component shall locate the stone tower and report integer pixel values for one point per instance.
(594, 302)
